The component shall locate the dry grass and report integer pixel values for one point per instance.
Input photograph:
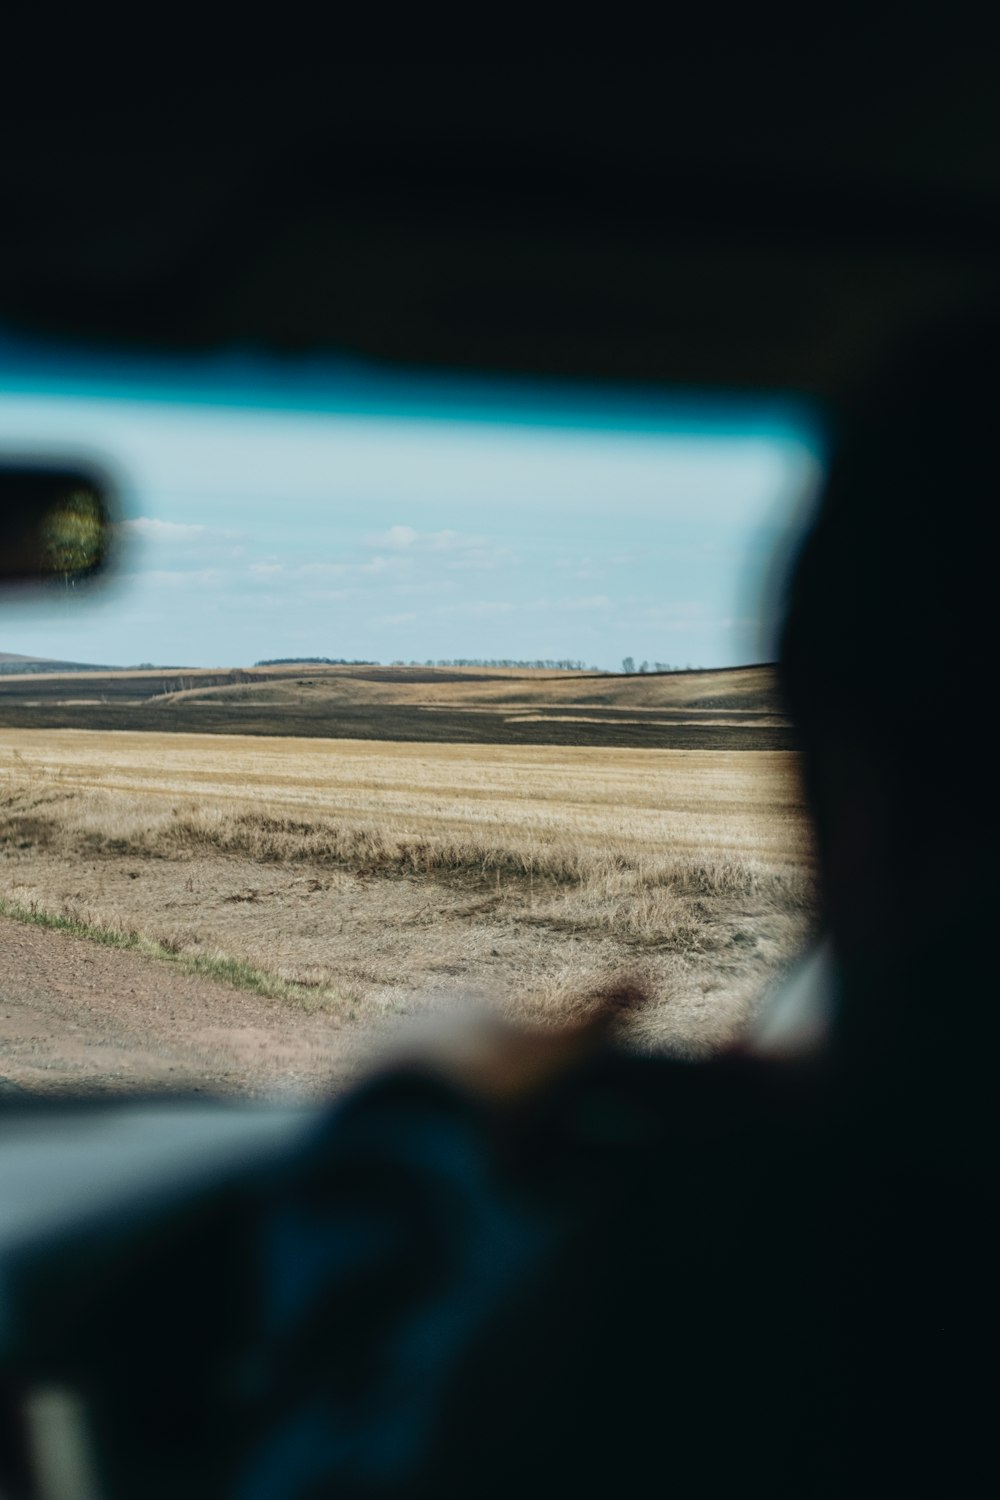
(217, 966)
(504, 687)
(392, 869)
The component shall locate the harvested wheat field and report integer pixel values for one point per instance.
(366, 880)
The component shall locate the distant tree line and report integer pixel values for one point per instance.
(560, 664)
(506, 661)
(315, 661)
(629, 666)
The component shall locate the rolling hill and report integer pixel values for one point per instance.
(10, 662)
(730, 708)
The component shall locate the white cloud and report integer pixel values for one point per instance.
(436, 587)
(179, 577)
(377, 564)
(589, 601)
(488, 607)
(480, 558)
(484, 607)
(163, 531)
(402, 538)
(321, 570)
(397, 537)
(452, 541)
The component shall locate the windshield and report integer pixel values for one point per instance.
(406, 691)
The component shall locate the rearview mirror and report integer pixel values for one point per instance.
(57, 525)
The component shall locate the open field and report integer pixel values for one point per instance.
(365, 880)
(737, 709)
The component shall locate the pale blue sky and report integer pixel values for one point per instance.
(337, 516)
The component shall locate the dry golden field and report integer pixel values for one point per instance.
(377, 877)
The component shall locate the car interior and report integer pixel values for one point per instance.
(713, 252)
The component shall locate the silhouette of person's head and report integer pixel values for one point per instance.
(886, 669)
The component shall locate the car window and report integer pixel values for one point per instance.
(405, 693)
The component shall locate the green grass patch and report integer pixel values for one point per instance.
(219, 966)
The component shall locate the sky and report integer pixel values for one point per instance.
(270, 513)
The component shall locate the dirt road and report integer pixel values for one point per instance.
(77, 1016)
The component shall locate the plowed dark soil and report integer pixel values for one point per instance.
(688, 711)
